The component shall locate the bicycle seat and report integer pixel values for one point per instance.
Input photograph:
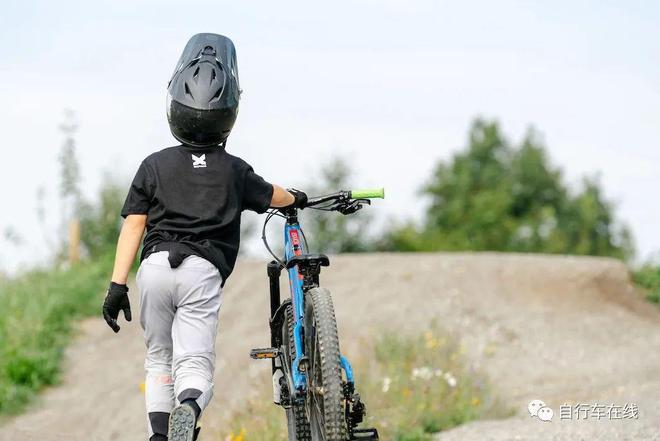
(308, 260)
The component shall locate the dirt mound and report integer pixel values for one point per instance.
(563, 329)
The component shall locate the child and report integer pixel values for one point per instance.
(189, 198)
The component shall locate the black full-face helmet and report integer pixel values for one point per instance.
(203, 94)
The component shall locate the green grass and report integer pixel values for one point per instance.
(38, 310)
(648, 278)
(413, 386)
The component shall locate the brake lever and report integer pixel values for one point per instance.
(352, 206)
(349, 209)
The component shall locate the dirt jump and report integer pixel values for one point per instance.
(560, 329)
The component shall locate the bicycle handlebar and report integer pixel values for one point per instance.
(346, 195)
(327, 198)
(373, 193)
(344, 202)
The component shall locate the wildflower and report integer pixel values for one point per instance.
(239, 437)
(450, 379)
(386, 384)
(431, 341)
(423, 373)
(476, 401)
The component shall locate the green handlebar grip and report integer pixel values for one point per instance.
(368, 194)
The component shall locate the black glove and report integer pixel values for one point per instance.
(300, 198)
(115, 301)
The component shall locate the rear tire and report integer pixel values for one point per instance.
(325, 397)
(296, 418)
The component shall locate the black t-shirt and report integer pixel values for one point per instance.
(194, 197)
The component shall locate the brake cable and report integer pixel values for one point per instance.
(344, 207)
(271, 213)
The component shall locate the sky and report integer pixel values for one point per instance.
(391, 85)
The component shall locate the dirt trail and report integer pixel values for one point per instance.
(561, 329)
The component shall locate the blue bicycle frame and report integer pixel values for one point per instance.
(294, 245)
(291, 332)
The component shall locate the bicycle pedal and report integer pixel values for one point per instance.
(264, 353)
(364, 434)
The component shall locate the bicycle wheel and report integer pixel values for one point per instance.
(296, 418)
(325, 401)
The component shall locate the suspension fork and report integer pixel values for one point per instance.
(274, 271)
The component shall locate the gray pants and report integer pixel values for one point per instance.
(179, 314)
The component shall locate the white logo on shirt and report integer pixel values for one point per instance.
(199, 161)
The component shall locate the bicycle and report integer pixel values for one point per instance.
(312, 380)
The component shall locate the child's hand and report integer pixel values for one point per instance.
(115, 301)
(300, 198)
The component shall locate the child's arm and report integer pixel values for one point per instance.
(281, 197)
(127, 246)
(129, 241)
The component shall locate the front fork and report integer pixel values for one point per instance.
(274, 271)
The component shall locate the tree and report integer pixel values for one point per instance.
(331, 232)
(590, 226)
(493, 196)
(69, 168)
(70, 187)
(476, 182)
(100, 222)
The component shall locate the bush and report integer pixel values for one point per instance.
(422, 385)
(648, 278)
(38, 310)
(100, 221)
(412, 386)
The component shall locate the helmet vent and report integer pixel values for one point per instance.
(216, 96)
(196, 74)
(212, 75)
(187, 89)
